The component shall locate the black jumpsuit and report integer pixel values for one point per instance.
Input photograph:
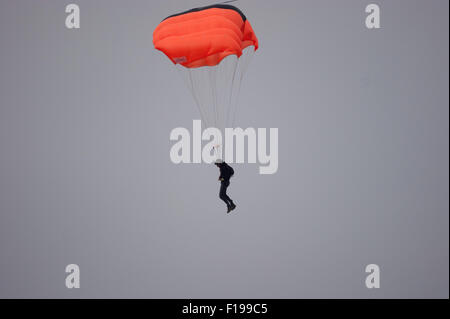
(225, 174)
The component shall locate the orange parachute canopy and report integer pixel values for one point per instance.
(204, 36)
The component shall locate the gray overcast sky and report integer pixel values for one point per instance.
(86, 178)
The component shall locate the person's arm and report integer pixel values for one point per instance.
(221, 174)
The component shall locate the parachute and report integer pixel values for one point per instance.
(211, 47)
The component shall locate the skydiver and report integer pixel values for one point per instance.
(226, 171)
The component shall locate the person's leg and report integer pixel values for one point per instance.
(230, 201)
(223, 193)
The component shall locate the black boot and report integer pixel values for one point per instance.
(231, 207)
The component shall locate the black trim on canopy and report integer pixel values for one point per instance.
(220, 6)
